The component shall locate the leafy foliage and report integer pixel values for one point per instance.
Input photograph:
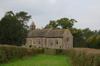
(66, 23)
(78, 41)
(12, 30)
(93, 42)
(22, 16)
(87, 33)
(63, 22)
(11, 53)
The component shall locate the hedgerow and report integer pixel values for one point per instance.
(11, 53)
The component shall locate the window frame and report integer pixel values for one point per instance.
(56, 41)
(34, 41)
(67, 39)
(39, 41)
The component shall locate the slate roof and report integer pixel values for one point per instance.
(38, 33)
(46, 33)
(55, 33)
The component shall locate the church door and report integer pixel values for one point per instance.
(51, 45)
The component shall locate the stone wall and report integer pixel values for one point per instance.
(35, 42)
(50, 43)
(67, 40)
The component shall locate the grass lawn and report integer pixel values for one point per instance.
(41, 60)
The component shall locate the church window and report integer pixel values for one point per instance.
(38, 41)
(67, 39)
(51, 45)
(56, 41)
(34, 42)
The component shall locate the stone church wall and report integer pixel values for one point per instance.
(67, 40)
(35, 42)
(51, 43)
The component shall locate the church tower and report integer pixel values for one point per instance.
(32, 27)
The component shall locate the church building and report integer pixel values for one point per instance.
(49, 38)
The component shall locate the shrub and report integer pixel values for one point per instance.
(58, 51)
(10, 53)
(81, 58)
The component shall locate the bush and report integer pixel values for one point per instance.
(81, 58)
(11, 53)
(58, 51)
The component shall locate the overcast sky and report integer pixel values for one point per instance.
(86, 12)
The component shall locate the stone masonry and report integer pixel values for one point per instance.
(49, 38)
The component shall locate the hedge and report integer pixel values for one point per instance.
(80, 58)
(77, 57)
(11, 53)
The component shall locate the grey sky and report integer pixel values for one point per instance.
(86, 12)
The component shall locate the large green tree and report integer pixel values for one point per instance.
(12, 30)
(22, 16)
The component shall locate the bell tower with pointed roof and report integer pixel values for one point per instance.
(32, 26)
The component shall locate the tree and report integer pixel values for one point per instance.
(12, 31)
(52, 24)
(63, 22)
(22, 16)
(66, 23)
(10, 13)
(78, 41)
(93, 42)
(87, 33)
(47, 26)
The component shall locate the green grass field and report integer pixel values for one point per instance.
(41, 60)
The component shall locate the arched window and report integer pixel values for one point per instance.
(39, 41)
(67, 39)
(34, 41)
(56, 41)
